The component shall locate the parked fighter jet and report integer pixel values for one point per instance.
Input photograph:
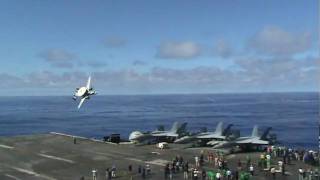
(84, 92)
(218, 134)
(157, 136)
(250, 141)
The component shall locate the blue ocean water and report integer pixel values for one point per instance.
(293, 116)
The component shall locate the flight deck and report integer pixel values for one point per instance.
(58, 156)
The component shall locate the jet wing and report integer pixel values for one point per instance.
(214, 142)
(89, 83)
(246, 141)
(185, 139)
(164, 134)
(211, 136)
(81, 102)
(260, 142)
(253, 141)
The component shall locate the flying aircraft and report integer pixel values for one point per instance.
(84, 92)
(157, 136)
(219, 134)
(254, 140)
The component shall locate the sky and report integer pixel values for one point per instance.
(158, 47)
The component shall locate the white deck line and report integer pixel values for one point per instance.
(32, 173)
(80, 137)
(158, 162)
(56, 158)
(12, 177)
(6, 147)
(68, 135)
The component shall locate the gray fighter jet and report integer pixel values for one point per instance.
(157, 136)
(244, 142)
(219, 134)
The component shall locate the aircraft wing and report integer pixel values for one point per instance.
(246, 141)
(211, 136)
(215, 142)
(81, 102)
(253, 141)
(167, 134)
(260, 142)
(89, 83)
(185, 139)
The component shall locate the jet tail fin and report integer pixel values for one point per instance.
(178, 128)
(182, 128)
(265, 133)
(89, 83)
(175, 127)
(255, 131)
(227, 130)
(219, 128)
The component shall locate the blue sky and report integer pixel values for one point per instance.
(151, 47)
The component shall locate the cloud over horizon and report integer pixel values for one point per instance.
(251, 75)
(223, 49)
(139, 63)
(178, 50)
(96, 64)
(273, 40)
(58, 58)
(115, 42)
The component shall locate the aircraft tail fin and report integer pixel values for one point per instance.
(175, 127)
(182, 128)
(88, 86)
(255, 131)
(265, 133)
(227, 130)
(219, 128)
(178, 128)
(160, 128)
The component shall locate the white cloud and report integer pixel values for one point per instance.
(273, 40)
(58, 58)
(115, 42)
(139, 63)
(57, 55)
(178, 50)
(96, 64)
(252, 74)
(222, 49)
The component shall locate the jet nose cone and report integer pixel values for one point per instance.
(81, 91)
(135, 135)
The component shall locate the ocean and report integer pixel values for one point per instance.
(294, 117)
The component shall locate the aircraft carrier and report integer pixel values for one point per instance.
(56, 156)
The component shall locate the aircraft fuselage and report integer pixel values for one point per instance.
(84, 92)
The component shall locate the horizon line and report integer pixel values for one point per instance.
(159, 94)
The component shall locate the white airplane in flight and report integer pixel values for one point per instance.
(84, 92)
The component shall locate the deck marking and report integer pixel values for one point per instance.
(159, 162)
(83, 138)
(134, 159)
(6, 147)
(32, 173)
(13, 177)
(56, 158)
